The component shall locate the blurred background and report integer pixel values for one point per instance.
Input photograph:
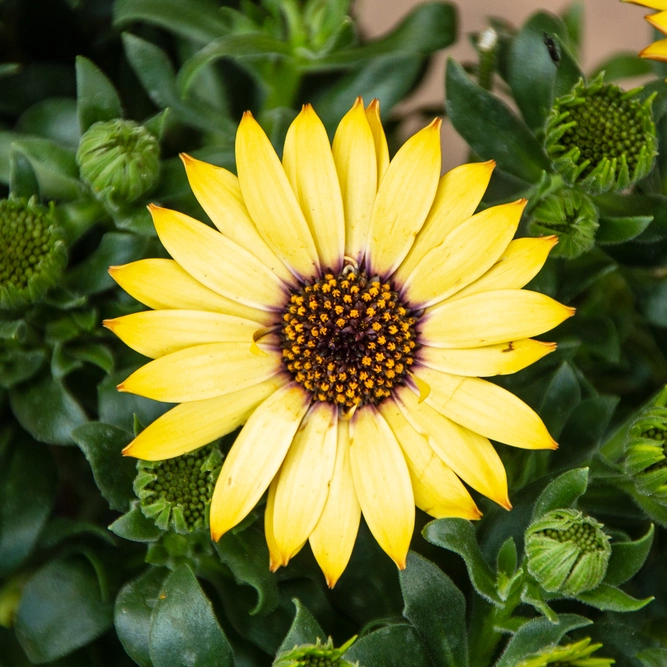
(610, 26)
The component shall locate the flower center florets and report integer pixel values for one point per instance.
(348, 338)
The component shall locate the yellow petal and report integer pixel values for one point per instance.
(163, 284)
(651, 4)
(354, 155)
(518, 265)
(382, 481)
(501, 359)
(255, 457)
(219, 193)
(458, 195)
(155, 333)
(271, 201)
(192, 425)
(466, 253)
(468, 454)
(303, 481)
(310, 168)
(656, 51)
(658, 21)
(333, 538)
(217, 262)
(491, 317)
(404, 198)
(379, 139)
(275, 559)
(201, 372)
(438, 491)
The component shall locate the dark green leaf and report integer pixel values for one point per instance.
(584, 272)
(458, 535)
(560, 398)
(19, 365)
(392, 646)
(532, 595)
(184, 629)
(508, 557)
(562, 493)
(91, 276)
(573, 17)
(653, 657)
(536, 635)
(132, 613)
(656, 510)
(304, 629)
(97, 99)
(61, 529)
(505, 138)
(28, 485)
(136, 527)
(46, 410)
(619, 230)
(436, 608)
(246, 555)
(157, 124)
(93, 353)
(627, 558)
(568, 73)
(61, 609)
(623, 66)
(609, 598)
(532, 71)
(199, 20)
(22, 179)
(114, 474)
(55, 119)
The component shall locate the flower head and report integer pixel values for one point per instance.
(344, 311)
(600, 138)
(33, 251)
(315, 655)
(567, 552)
(657, 50)
(571, 655)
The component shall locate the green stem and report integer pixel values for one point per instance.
(284, 87)
(486, 46)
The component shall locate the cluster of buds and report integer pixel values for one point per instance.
(315, 655)
(572, 655)
(645, 457)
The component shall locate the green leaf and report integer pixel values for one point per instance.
(392, 646)
(458, 535)
(246, 44)
(532, 595)
(627, 558)
(28, 486)
(532, 71)
(53, 118)
(491, 129)
(573, 17)
(114, 474)
(132, 613)
(653, 657)
(610, 598)
(135, 526)
(97, 99)
(61, 529)
(508, 557)
(246, 555)
(91, 275)
(562, 493)
(199, 20)
(436, 608)
(46, 410)
(656, 510)
(184, 628)
(536, 635)
(19, 365)
(61, 609)
(621, 229)
(568, 73)
(623, 66)
(428, 28)
(304, 629)
(561, 397)
(93, 353)
(22, 179)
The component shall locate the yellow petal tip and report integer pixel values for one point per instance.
(554, 444)
(121, 387)
(109, 324)
(331, 580)
(274, 566)
(401, 563)
(505, 504)
(126, 450)
(435, 124)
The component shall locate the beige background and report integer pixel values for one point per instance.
(610, 26)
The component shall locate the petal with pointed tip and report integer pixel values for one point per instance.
(379, 139)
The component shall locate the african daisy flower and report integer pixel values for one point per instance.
(343, 311)
(657, 50)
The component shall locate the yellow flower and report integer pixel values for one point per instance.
(657, 50)
(343, 311)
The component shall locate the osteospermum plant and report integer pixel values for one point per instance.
(348, 328)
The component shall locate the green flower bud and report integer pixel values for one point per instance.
(570, 215)
(600, 138)
(572, 655)
(567, 552)
(176, 493)
(645, 457)
(315, 655)
(33, 252)
(119, 160)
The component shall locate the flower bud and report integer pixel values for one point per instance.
(600, 138)
(570, 215)
(119, 160)
(33, 252)
(176, 493)
(571, 655)
(315, 655)
(645, 458)
(567, 552)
